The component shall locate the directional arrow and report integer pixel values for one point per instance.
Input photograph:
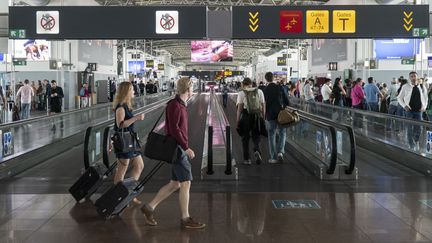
(408, 15)
(253, 15)
(408, 21)
(408, 28)
(253, 28)
(253, 22)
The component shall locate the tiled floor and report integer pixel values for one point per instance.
(231, 217)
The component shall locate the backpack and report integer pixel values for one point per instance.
(253, 101)
(82, 92)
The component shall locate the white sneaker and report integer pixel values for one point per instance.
(272, 161)
(280, 157)
(247, 162)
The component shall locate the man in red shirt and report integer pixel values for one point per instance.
(176, 125)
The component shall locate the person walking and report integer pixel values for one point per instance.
(25, 93)
(326, 91)
(250, 109)
(339, 93)
(276, 100)
(225, 91)
(413, 98)
(124, 119)
(176, 125)
(372, 92)
(84, 95)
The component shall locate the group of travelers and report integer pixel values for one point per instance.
(44, 95)
(257, 112)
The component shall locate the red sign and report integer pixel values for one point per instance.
(291, 21)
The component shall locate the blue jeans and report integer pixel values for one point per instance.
(413, 132)
(274, 149)
(373, 106)
(225, 100)
(25, 111)
(391, 124)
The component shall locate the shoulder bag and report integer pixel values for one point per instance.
(160, 147)
(287, 118)
(125, 141)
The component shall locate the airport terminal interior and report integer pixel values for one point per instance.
(306, 121)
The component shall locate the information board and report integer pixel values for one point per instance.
(326, 21)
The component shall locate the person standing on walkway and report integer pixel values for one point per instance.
(56, 100)
(276, 100)
(326, 91)
(413, 98)
(47, 97)
(25, 93)
(176, 125)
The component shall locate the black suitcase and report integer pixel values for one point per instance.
(117, 198)
(90, 181)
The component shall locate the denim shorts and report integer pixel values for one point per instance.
(181, 167)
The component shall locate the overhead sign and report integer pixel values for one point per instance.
(167, 22)
(291, 21)
(150, 63)
(344, 21)
(335, 22)
(281, 61)
(253, 21)
(113, 22)
(47, 22)
(317, 21)
(161, 66)
(17, 34)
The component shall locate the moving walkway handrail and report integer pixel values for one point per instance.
(364, 112)
(63, 114)
(108, 125)
(350, 131)
(333, 158)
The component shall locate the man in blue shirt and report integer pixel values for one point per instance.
(372, 92)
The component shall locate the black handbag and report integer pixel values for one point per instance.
(125, 141)
(160, 147)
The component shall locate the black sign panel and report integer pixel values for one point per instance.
(150, 63)
(342, 21)
(281, 61)
(99, 22)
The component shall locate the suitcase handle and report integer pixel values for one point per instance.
(110, 169)
(149, 175)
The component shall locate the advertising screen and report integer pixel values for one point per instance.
(33, 50)
(136, 66)
(98, 51)
(212, 51)
(328, 50)
(395, 48)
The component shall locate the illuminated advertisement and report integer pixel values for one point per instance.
(32, 50)
(212, 51)
(395, 48)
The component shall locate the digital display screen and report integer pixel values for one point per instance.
(212, 51)
(136, 66)
(33, 50)
(395, 48)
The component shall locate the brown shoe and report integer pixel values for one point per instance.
(148, 216)
(190, 223)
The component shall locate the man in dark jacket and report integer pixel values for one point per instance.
(56, 101)
(176, 125)
(276, 100)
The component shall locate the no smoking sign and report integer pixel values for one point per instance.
(167, 22)
(47, 22)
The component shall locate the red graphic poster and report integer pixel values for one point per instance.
(291, 21)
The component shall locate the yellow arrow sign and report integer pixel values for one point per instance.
(253, 15)
(408, 21)
(408, 27)
(253, 28)
(253, 22)
(408, 15)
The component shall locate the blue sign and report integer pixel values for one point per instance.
(295, 204)
(136, 66)
(396, 48)
(2, 57)
(7, 143)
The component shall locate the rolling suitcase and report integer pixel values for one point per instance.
(117, 198)
(90, 181)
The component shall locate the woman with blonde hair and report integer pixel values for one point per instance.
(124, 119)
